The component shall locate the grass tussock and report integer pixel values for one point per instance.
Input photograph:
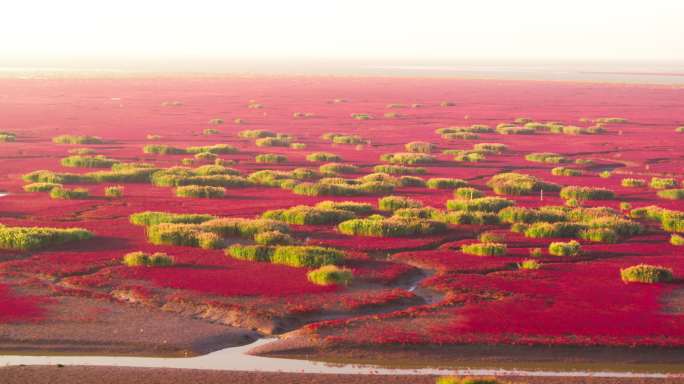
(330, 274)
(645, 273)
(142, 259)
(36, 238)
(75, 139)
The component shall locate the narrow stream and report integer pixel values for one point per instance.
(237, 359)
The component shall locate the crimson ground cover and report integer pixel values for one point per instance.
(578, 301)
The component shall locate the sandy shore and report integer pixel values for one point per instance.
(116, 375)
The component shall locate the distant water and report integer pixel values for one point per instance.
(653, 73)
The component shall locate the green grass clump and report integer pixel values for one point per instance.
(630, 182)
(200, 191)
(209, 234)
(530, 264)
(546, 157)
(484, 249)
(519, 184)
(330, 274)
(662, 183)
(142, 259)
(399, 169)
(240, 227)
(98, 161)
(43, 176)
(411, 181)
(114, 191)
(545, 230)
(671, 221)
(460, 136)
(337, 138)
(41, 187)
(352, 206)
(162, 149)
(514, 215)
(306, 215)
(73, 139)
(611, 120)
(215, 149)
(482, 204)
(273, 238)
(586, 193)
(515, 130)
(338, 168)
(323, 156)
(298, 145)
(469, 157)
(270, 158)
(419, 147)
(677, 240)
(277, 141)
(562, 171)
(35, 238)
(206, 156)
(490, 147)
(7, 137)
(392, 203)
(407, 158)
(149, 218)
(671, 194)
(261, 253)
(392, 227)
(213, 169)
(571, 248)
(256, 133)
(69, 194)
(601, 235)
(306, 256)
(445, 183)
(468, 193)
(644, 273)
(361, 116)
(210, 131)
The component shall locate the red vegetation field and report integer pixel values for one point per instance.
(569, 301)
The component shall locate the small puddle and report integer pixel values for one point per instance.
(237, 359)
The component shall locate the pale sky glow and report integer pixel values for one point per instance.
(49, 30)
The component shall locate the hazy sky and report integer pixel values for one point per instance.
(48, 30)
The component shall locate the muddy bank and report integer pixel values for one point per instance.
(116, 375)
(87, 326)
(641, 359)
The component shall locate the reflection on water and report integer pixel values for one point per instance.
(236, 359)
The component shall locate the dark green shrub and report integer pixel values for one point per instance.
(484, 249)
(411, 181)
(200, 191)
(338, 168)
(35, 238)
(519, 184)
(392, 227)
(468, 193)
(399, 169)
(250, 252)
(485, 204)
(663, 183)
(162, 149)
(72, 139)
(140, 259)
(629, 182)
(644, 273)
(445, 183)
(586, 193)
(671, 194)
(546, 157)
(273, 238)
(256, 133)
(306, 256)
(306, 215)
(562, 171)
(323, 156)
(215, 149)
(149, 218)
(330, 274)
(419, 147)
(270, 158)
(114, 191)
(408, 158)
(392, 203)
(41, 187)
(352, 206)
(69, 194)
(98, 161)
(571, 248)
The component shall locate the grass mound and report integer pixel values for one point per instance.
(142, 259)
(330, 274)
(35, 238)
(645, 273)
